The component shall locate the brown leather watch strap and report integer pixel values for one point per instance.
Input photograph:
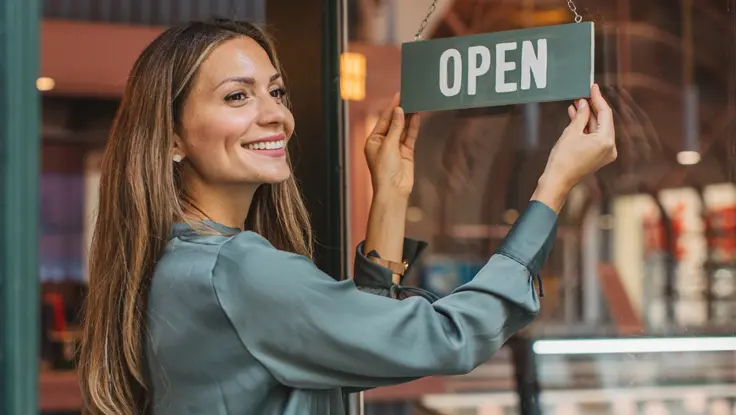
(395, 267)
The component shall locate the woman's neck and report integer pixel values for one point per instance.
(227, 205)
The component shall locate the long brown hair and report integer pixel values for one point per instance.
(141, 195)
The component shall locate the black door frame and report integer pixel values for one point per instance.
(309, 39)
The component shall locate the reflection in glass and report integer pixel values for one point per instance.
(646, 249)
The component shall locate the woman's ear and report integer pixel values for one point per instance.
(177, 152)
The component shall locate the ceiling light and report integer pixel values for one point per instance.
(352, 76)
(634, 345)
(688, 158)
(510, 216)
(45, 83)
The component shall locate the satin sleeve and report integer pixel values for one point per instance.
(313, 332)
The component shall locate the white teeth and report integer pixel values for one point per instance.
(267, 145)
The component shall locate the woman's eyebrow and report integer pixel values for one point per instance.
(246, 80)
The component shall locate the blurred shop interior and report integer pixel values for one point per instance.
(640, 292)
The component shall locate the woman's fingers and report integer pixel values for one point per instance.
(582, 116)
(602, 109)
(592, 126)
(384, 122)
(412, 131)
(593, 123)
(396, 128)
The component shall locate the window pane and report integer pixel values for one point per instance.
(640, 290)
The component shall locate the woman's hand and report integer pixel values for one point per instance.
(586, 145)
(389, 151)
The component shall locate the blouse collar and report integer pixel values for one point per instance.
(183, 228)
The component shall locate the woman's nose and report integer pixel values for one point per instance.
(270, 110)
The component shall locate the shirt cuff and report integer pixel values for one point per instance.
(367, 273)
(532, 237)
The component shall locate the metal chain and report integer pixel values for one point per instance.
(424, 23)
(433, 7)
(574, 9)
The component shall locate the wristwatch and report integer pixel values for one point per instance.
(397, 268)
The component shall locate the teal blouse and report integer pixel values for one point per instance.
(236, 326)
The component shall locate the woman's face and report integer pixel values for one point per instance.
(235, 126)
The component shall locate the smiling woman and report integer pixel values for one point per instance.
(203, 297)
(185, 147)
(233, 130)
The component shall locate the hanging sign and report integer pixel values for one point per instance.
(541, 64)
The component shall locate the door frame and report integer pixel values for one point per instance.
(19, 205)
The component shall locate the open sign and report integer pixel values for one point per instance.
(519, 66)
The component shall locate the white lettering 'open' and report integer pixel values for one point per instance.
(451, 91)
(475, 68)
(532, 63)
(502, 67)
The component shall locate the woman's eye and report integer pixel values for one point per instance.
(278, 93)
(237, 96)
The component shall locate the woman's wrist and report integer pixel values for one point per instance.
(552, 192)
(386, 224)
(394, 197)
(390, 197)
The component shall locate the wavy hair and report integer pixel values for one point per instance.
(141, 196)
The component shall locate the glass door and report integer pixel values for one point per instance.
(640, 290)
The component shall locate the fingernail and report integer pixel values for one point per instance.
(582, 103)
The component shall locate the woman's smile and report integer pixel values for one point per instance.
(273, 146)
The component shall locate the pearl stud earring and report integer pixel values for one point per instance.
(177, 158)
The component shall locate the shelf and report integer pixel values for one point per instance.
(59, 391)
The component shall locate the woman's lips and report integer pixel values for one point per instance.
(271, 148)
(271, 153)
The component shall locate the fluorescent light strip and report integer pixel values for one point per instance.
(469, 400)
(645, 345)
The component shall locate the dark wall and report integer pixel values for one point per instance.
(308, 42)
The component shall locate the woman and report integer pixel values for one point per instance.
(202, 296)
